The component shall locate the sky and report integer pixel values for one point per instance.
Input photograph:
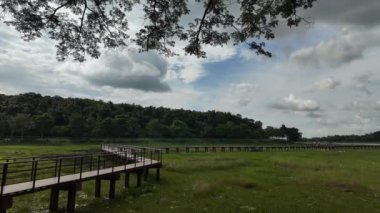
(323, 78)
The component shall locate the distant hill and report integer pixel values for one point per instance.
(371, 137)
(32, 114)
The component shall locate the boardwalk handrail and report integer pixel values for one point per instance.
(30, 170)
(122, 148)
(260, 148)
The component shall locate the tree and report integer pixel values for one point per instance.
(43, 123)
(81, 27)
(227, 130)
(133, 128)
(156, 129)
(180, 129)
(273, 132)
(292, 134)
(60, 131)
(20, 124)
(4, 126)
(77, 125)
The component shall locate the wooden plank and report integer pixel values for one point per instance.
(48, 182)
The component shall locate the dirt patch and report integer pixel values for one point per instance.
(202, 187)
(285, 164)
(246, 184)
(346, 187)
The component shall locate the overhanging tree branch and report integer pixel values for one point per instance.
(56, 10)
(107, 23)
(209, 4)
(82, 19)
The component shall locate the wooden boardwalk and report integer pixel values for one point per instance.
(266, 148)
(28, 175)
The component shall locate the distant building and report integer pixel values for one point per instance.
(278, 138)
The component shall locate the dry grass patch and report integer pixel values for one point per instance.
(202, 187)
(243, 183)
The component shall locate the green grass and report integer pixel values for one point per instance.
(302, 181)
(34, 150)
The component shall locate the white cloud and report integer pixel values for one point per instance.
(127, 69)
(243, 92)
(377, 105)
(188, 71)
(325, 84)
(346, 47)
(292, 103)
(347, 12)
(190, 68)
(362, 81)
(361, 106)
(363, 78)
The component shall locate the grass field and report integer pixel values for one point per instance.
(303, 181)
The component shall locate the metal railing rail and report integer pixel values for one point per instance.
(21, 170)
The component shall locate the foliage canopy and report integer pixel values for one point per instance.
(34, 115)
(83, 27)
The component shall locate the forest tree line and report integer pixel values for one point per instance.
(32, 114)
(370, 137)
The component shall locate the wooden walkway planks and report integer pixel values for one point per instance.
(46, 183)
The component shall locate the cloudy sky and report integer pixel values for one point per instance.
(324, 78)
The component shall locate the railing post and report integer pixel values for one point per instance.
(75, 164)
(35, 174)
(56, 167)
(59, 170)
(112, 162)
(98, 164)
(104, 161)
(4, 178)
(144, 157)
(32, 173)
(125, 160)
(81, 168)
(135, 159)
(90, 162)
(151, 160)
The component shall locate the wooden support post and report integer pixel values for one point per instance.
(98, 186)
(126, 180)
(139, 173)
(54, 196)
(112, 187)
(146, 174)
(71, 194)
(158, 174)
(112, 178)
(6, 203)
